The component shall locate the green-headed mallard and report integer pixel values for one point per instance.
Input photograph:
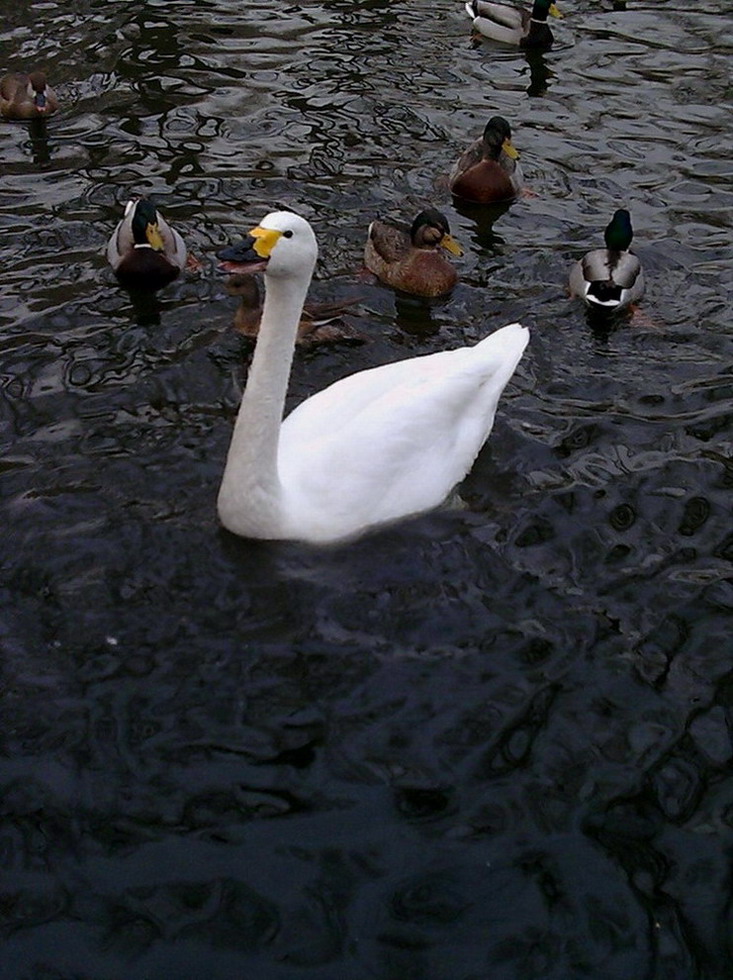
(320, 323)
(488, 172)
(525, 28)
(144, 251)
(27, 96)
(409, 258)
(375, 447)
(610, 278)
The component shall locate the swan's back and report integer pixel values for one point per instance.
(394, 440)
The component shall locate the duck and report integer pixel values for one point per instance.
(27, 96)
(610, 278)
(319, 322)
(523, 28)
(144, 251)
(375, 447)
(407, 258)
(488, 171)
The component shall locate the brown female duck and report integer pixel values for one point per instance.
(319, 322)
(26, 96)
(409, 258)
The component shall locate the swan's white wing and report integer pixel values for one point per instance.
(393, 441)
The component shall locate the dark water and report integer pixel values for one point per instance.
(492, 744)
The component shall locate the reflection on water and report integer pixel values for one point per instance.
(539, 73)
(490, 742)
(483, 217)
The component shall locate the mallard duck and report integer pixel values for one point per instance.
(610, 278)
(374, 447)
(488, 172)
(319, 323)
(27, 96)
(408, 258)
(144, 251)
(525, 28)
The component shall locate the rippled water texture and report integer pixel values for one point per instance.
(488, 744)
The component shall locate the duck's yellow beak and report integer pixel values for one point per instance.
(448, 242)
(265, 240)
(555, 10)
(510, 149)
(154, 237)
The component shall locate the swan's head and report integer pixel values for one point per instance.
(282, 244)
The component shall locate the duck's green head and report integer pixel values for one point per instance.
(145, 228)
(497, 137)
(619, 232)
(542, 8)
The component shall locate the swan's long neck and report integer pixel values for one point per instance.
(249, 497)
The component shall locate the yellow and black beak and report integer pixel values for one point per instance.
(554, 11)
(265, 239)
(252, 253)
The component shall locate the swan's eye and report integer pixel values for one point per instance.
(287, 234)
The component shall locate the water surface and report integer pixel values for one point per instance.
(487, 743)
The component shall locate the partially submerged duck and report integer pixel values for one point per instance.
(27, 96)
(488, 171)
(610, 278)
(319, 322)
(377, 446)
(409, 258)
(144, 251)
(510, 25)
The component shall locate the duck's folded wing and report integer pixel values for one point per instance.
(499, 13)
(120, 242)
(175, 247)
(626, 270)
(469, 158)
(390, 241)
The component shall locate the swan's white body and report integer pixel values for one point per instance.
(374, 447)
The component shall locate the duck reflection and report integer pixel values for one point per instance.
(539, 73)
(602, 323)
(415, 315)
(38, 141)
(146, 307)
(484, 217)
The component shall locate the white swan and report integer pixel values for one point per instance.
(377, 446)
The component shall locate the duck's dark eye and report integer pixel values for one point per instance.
(287, 234)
